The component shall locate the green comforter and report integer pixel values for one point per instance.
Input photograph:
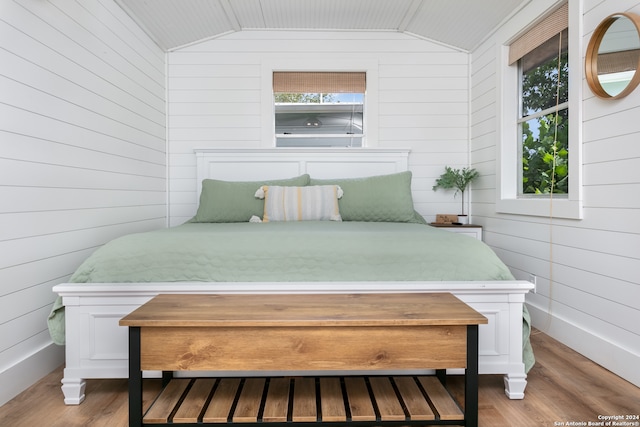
(293, 251)
(288, 251)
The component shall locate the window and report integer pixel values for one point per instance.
(539, 156)
(543, 121)
(319, 109)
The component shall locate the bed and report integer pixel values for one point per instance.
(361, 233)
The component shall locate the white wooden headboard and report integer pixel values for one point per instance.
(252, 164)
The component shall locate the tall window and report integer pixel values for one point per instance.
(319, 109)
(543, 120)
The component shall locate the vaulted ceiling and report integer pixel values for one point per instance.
(461, 24)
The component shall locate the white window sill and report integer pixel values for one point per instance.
(556, 207)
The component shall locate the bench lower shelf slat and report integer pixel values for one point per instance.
(285, 400)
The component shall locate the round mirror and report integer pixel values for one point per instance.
(613, 56)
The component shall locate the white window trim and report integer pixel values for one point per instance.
(370, 118)
(507, 200)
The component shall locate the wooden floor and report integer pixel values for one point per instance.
(563, 387)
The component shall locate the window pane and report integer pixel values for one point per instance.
(316, 120)
(540, 76)
(540, 149)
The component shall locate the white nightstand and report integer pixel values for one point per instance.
(471, 230)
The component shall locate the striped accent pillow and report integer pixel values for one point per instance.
(309, 203)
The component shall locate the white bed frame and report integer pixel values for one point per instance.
(96, 346)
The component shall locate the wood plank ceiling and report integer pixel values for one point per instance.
(461, 24)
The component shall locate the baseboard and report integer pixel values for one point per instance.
(607, 354)
(29, 370)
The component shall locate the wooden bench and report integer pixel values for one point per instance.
(319, 358)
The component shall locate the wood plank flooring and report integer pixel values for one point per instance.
(563, 387)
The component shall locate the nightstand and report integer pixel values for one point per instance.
(471, 230)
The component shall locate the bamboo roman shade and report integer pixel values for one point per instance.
(318, 82)
(552, 25)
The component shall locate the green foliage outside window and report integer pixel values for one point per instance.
(303, 98)
(545, 157)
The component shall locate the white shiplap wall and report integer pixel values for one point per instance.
(216, 99)
(82, 158)
(588, 270)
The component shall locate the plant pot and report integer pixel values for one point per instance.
(463, 219)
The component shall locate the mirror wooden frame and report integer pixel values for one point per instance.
(591, 59)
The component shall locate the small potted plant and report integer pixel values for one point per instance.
(458, 179)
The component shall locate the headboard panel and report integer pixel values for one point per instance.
(251, 164)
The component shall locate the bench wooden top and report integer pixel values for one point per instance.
(256, 310)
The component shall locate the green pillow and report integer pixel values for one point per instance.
(235, 201)
(381, 198)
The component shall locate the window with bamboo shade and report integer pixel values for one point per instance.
(314, 109)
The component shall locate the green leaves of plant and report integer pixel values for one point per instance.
(456, 178)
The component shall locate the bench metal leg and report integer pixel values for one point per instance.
(471, 378)
(135, 378)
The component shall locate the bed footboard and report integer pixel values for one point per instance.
(97, 347)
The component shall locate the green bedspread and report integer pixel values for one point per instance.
(286, 252)
(293, 251)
